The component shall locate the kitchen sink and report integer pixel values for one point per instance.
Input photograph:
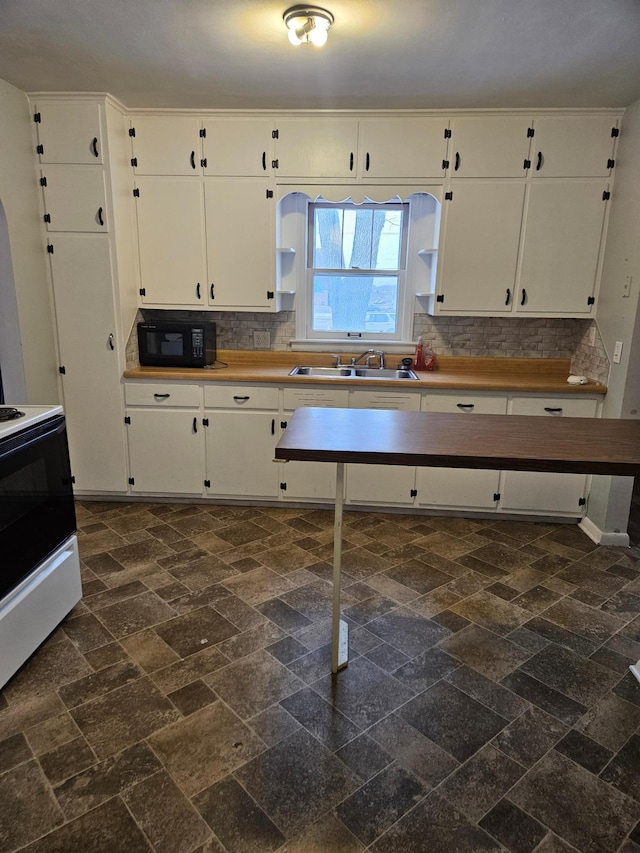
(348, 372)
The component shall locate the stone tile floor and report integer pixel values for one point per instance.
(187, 704)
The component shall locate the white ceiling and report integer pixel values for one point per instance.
(397, 54)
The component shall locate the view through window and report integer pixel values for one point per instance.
(357, 259)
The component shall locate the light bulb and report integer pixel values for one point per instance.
(293, 36)
(318, 35)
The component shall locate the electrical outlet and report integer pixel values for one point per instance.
(592, 335)
(262, 340)
(617, 352)
(626, 287)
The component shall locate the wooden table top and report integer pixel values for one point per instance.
(505, 442)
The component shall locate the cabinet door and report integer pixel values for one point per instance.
(308, 480)
(240, 448)
(403, 148)
(572, 147)
(166, 145)
(74, 198)
(85, 315)
(477, 267)
(171, 239)
(316, 148)
(561, 246)
(241, 260)
(69, 131)
(460, 487)
(166, 451)
(380, 484)
(237, 147)
(489, 147)
(534, 491)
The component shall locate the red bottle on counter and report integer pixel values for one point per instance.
(422, 362)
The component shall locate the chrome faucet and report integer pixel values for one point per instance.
(380, 355)
(368, 352)
(337, 362)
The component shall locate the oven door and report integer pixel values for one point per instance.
(37, 512)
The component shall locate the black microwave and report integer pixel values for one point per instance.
(177, 344)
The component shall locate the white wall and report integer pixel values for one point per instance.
(19, 199)
(618, 318)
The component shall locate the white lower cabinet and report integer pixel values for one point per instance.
(166, 438)
(535, 491)
(460, 487)
(166, 451)
(382, 484)
(241, 435)
(310, 480)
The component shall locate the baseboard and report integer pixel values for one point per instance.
(602, 537)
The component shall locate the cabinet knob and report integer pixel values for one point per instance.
(508, 299)
(524, 296)
(94, 147)
(100, 219)
(110, 342)
(211, 293)
(264, 161)
(193, 159)
(553, 411)
(464, 406)
(198, 290)
(457, 163)
(539, 161)
(367, 162)
(195, 425)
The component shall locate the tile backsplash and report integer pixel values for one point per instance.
(507, 337)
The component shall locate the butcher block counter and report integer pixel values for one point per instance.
(527, 375)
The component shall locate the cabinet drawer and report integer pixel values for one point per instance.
(463, 402)
(328, 398)
(159, 394)
(409, 402)
(554, 407)
(241, 396)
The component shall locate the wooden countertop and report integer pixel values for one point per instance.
(502, 442)
(543, 375)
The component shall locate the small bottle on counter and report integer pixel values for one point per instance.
(424, 361)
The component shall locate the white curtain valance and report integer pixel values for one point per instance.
(358, 193)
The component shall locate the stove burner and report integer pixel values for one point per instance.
(9, 414)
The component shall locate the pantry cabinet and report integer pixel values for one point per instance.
(561, 240)
(403, 148)
(237, 147)
(460, 487)
(314, 147)
(489, 147)
(90, 366)
(479, 247)
(69, 131)
(74, 198)
(573, 146)
(166, 145)
(171, 241)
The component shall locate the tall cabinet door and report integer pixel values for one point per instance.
(481, 237)
(81, 266)
(241, 261)
(172, 242)
(561, 245)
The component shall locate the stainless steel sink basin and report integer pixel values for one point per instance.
(352, 372)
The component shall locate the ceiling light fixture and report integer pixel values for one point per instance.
(308, 24)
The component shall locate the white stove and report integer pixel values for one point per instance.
(40, 565)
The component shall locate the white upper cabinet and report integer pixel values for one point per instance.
(314, 147)
(69, 131)
(573, 146)
(489, 147)
(166, 145)
(403, 148)
(237, 147)
(241, 260)
(562, 235)
(479, 247)
(171, 238)
(74, 198)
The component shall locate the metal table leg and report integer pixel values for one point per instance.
(340, 629)
(635, 669)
